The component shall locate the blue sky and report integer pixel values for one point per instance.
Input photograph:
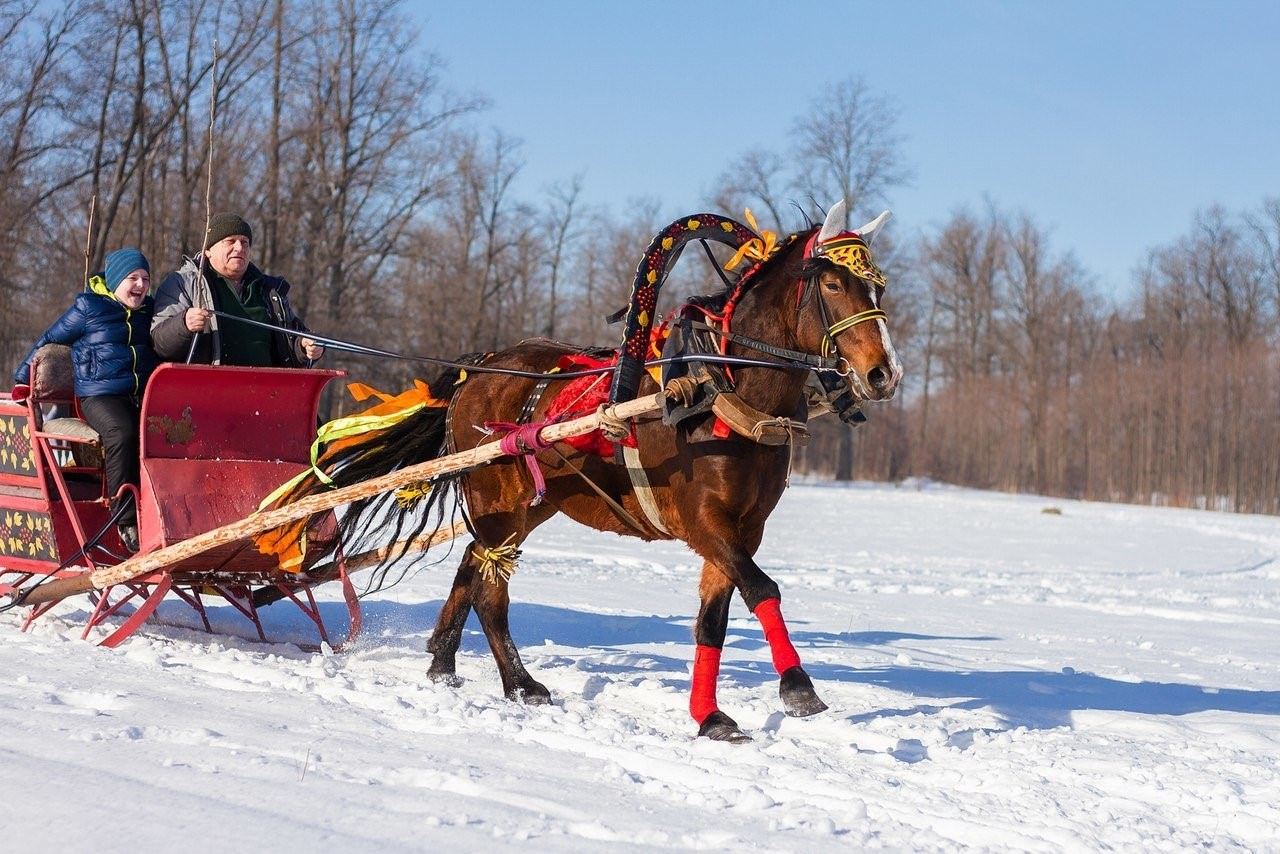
(1111, 123)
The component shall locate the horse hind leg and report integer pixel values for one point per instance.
(447, 636)
(490, 598)
(492, 604)
(487, 593)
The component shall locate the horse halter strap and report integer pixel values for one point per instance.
(850, 251)
(829, 337)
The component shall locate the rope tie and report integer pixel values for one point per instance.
(791, 426)
(684, 389)
(615, 429)
(524, 440)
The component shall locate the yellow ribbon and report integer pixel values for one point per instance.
(757, 248)
(288, 543)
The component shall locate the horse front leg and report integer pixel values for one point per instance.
(799, 699)
(716, 590)
(764, 600)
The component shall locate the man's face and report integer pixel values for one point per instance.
(132, 289)
(230, 256)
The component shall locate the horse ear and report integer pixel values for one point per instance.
(837, 221)
(868, 231)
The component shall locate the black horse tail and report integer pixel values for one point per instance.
(401, 515)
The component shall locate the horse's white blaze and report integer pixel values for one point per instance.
(895, 366)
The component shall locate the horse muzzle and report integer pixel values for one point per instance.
(878, 383)
(881, 382)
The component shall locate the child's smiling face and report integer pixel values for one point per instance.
(133, 288)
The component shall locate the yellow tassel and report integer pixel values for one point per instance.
(409, 496)
(498, 561)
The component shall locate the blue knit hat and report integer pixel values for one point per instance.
(121, 263)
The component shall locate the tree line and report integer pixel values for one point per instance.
(373, 185)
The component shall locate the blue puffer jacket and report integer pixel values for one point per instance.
(110, 344)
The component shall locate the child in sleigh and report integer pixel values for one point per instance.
(108, 328)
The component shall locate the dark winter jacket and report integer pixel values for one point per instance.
(110, 344)
(265, 298)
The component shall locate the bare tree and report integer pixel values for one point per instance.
(559, 236)
(848, 143)
(1264, 227)
(374, 125)
(1044, 299)
(755, 180)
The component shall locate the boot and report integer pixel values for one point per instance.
(129, 537)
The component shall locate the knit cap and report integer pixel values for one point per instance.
(225, 225)
(121, 263)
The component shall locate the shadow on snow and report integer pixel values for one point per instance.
(1027, 698)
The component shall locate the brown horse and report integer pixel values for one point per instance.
(819, 293)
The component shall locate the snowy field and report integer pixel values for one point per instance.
(999, 678)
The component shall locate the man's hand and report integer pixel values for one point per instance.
(21, 391)
(197, 320)
(311, 349)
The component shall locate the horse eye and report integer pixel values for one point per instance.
(832, 285)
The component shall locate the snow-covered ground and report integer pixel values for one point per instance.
(999, 677)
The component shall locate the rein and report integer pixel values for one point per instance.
(796, 358)
(362, 350)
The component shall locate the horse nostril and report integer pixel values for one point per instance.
(878, 378)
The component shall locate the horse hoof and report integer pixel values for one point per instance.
(444, 677)
(718, 726)
(533, 694)
(798, 697)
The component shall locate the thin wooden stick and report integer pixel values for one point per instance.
(205, 297)
(266, 520)
(373, 557)
(88, 238)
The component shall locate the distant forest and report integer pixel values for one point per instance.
(371, 188)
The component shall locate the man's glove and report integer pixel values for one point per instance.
(21, 391)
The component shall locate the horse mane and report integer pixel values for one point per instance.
(776, 259)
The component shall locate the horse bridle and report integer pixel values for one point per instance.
(831, 372)
(834, 329)
(850, 251)
(845, 398)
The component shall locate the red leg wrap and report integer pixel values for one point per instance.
(706, 667)
(769, 613)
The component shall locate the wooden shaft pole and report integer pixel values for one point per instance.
(265, 520)
(373, 557)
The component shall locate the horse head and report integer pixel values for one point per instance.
(846, 287)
